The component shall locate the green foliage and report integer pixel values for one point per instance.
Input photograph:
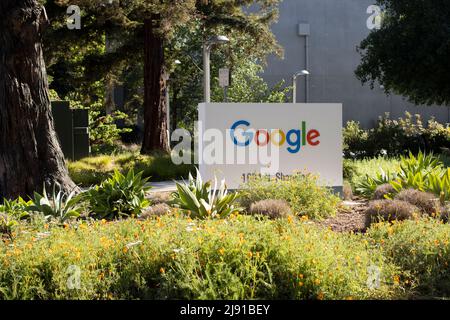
(248, 86)
(104, 131)
(369, 185)
(395, 137)
(421, 249)
(200, 200)
(59, 205)
(7, 225)
(119, 196)
(94, 170)
(393, 56)
(424, 172)
(301, 191)
(172, 257)
(15, 208)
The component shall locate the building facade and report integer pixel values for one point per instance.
(321, 36)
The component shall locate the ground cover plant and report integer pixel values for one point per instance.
(94, 170)
(174, 257)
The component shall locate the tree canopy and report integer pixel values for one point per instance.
(410, 54)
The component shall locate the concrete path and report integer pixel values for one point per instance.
(163, 186)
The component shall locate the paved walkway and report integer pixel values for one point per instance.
(163, 186)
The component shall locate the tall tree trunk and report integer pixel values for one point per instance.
(30, 155)
(155, 86)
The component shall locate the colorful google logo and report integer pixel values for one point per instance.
(294, 138)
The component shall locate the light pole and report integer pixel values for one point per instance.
(206, 64)
(294, 83)
(176, 62)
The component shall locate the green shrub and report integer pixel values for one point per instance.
(423, 172)
(421, 248)
(389, 210)
(301, 191)
(172, 257)
(7, 225)
(119, 196)
(395, 137)
(274, 209)
(15, 208)
(199, 200)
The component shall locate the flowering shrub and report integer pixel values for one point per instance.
(172, 257)
(395, 137)
(422, 249)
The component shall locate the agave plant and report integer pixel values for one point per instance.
(203, 201)
(60, 205)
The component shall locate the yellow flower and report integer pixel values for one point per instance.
(221, 251)
(125, 249)
(396, 279)
(317, 282)
(320, 296)
(300, 276)
(162, 271)
(250, 254)
(300, 284)
(103, 221)
(289, 218)
(305, 218)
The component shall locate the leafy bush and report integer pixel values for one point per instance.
(423, 172)
(300, 191)
(383, 191)
(395, 137)
(119, 196)
(15, 208)
(390, 210)
(104, 131)
(425, 201)
(199, 200)
(349, 169)
(172, 257)
(274, 209)
(60, 205)
(421, 248)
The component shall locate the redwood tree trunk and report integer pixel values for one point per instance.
(155, 86)
(30, 155)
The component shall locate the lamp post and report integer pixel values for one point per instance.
(176, 62)
(294, 83)
(206, 64)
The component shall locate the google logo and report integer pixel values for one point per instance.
(294, 138)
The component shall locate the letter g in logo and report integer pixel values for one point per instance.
(247, 135)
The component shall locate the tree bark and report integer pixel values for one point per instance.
(30, 154)
(155, 86)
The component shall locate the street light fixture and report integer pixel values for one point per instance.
(294, 83)
(207, 46)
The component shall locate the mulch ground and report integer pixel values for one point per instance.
(350, 217)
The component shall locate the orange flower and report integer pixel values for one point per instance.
(162, 271)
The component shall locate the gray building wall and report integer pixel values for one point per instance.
(336, 29)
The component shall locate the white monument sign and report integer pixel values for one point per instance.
(237, 140)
